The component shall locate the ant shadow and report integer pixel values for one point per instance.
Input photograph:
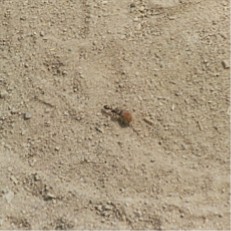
(122, 123)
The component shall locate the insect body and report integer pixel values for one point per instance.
(124, 117)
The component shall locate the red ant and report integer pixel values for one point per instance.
(124, 117)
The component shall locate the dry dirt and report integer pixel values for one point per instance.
(66, 165)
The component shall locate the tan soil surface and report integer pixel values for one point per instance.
(66, 165)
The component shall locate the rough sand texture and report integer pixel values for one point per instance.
(66, 165)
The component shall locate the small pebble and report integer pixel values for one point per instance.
(226, 64)
(1, 221)
(13, 178)
(27, 116)
(99, 207)
(49, 196)
(64, 72)
(42, 33)
(57, 149)
(32, 162)
(3, 94)
(99, 129)
(142, 8)
(148, 121)
(66, 113)
(23, 18)
(171, 17)
(36, 177)
(139, 27)
(8, 195)
(138, 213)
(23, 212)
(13, 111)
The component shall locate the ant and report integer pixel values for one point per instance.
(124, 117)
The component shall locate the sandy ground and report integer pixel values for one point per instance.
(66, 165)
